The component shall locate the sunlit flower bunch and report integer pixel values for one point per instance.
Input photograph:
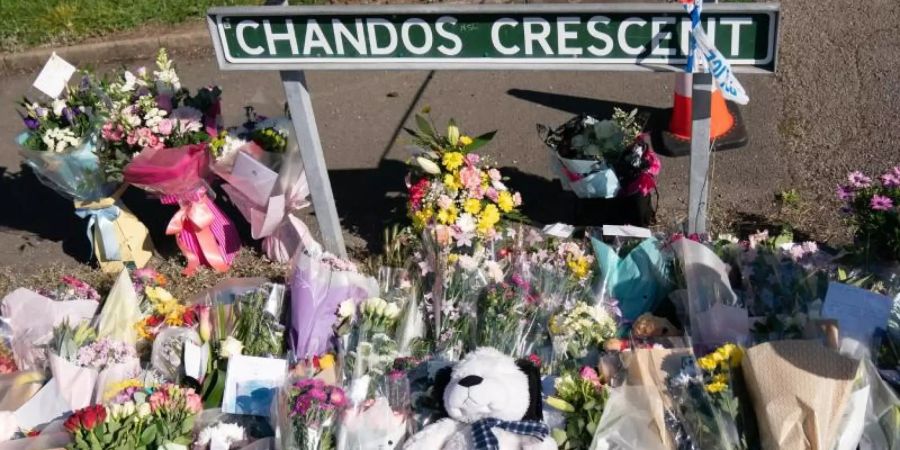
(584, 327)
(166, 311)
(452, 191)
(581, 398)
(152, 110)
(105, 352)
(872, 209)
(270, 134)
(577, 261)
(71, 288)
(65, 122)
(718, 365)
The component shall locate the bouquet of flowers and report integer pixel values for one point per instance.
(204, 234)
(871, 208)
(84, 367)
(157, 137)
(60, 146)
(142, 418)
(603, 158)
(265, 181)
(453, 193)
(70, 288)
(319, 283)
(579, 332)
(506, 315)
(368, 346)
(724, 384)
(308, 409)
(581, 398)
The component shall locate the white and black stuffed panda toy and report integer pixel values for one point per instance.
(493, 403)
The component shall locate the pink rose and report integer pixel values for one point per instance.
(158, 400)
(165, 127)
(470, 177)
(588, 373)
(194, 403)
(492, 194)
(112, 132)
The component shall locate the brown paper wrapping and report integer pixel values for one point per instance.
(18, 387)
(799, 391)
(650, 368)
(134, 238)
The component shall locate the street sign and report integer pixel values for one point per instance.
(612, 36)
(506, 37)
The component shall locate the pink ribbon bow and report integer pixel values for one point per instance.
(204, 234)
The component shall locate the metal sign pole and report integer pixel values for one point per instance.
(304, 120)
(701, 99)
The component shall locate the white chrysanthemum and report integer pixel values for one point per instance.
(59, 139)
(229, 150)
(224, 433)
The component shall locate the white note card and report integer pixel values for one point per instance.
(54, 76)
(193, 360)
(560, 230)
(626, 231)
(859, 312)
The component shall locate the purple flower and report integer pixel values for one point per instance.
(891, 179)
(844, 193)
(31, 123)
(318, 394)
(881, 203)
(859, 180)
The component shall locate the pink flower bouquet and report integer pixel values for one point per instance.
(205, 235)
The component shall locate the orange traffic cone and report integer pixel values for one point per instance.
(726, 126)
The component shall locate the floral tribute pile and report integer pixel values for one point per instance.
(473, 329)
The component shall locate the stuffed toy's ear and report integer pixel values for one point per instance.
(441, 380)
(535, 405)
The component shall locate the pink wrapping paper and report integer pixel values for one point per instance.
(282, 232)
(205, 235)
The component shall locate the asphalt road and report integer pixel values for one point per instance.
(832, 107)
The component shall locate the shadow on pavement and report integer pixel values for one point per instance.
(34, 209)
(657, 118)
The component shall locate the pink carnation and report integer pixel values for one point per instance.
(470, 177)
(112, 132)
(144, 138)
(165, 127)
(472, 159)
(494, 174)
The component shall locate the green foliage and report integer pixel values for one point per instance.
(789, 198)
(259, 331)
(54, 22)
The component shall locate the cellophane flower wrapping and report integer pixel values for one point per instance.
(637, 276)
(716, 316)
(307, 414)
(267, 200)
(319, 282)
(205, 235)
(32, 317)
(603, 158)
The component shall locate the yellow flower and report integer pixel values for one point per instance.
(451, 181)
(715, 387)
(452, 160)
(142, 330)
(720, 378)
(452, 258)
(505, 202)
(447, 216)
(706, 363)
(717, 357)
(421, 217)
(326, 361)
(579, 267)
(465, 140)
(115, 388)
(560, 404)
(472, 206)
(158, 294)
(736, 357)
(488, 218)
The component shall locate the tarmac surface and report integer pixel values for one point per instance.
(832, 107)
